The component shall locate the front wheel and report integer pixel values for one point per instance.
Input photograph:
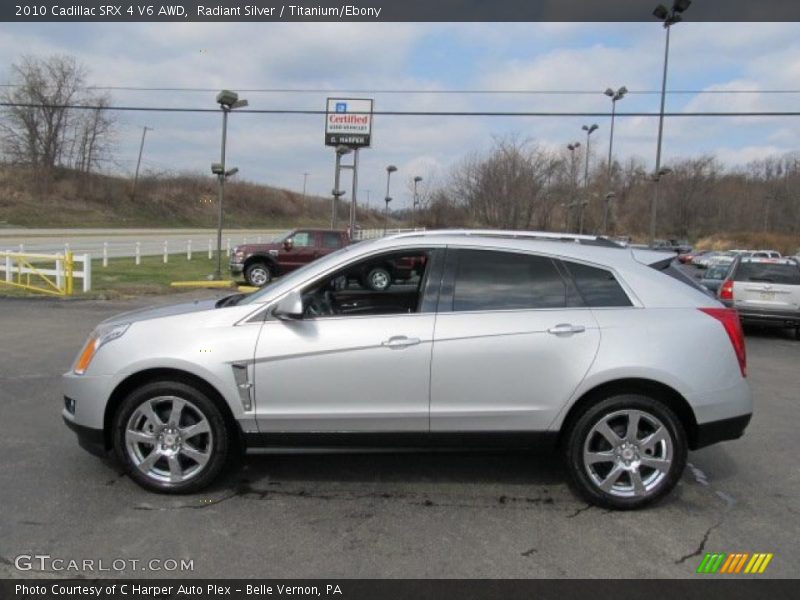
(626, 451)
(171, 437)
(258, 274)
(379, 279)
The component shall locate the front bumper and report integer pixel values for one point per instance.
(236, 268)
(91, 440)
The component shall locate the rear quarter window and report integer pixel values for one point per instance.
(598, 287)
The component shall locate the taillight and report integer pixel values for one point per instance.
(733, 327)
(726, 290)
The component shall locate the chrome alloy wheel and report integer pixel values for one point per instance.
(168, 439)
(379, 280)
(628, 453)
(259, 276)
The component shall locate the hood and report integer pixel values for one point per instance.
(254, 248)
(157, 312)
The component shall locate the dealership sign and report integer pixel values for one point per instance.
(348, 122)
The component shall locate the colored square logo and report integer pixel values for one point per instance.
(341, 107)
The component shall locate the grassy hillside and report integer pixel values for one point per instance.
(71, 199)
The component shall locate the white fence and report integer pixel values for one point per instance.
(19, 267)
(371, 234)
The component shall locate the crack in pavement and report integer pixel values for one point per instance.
(244, 489)
(702, 545)
(579, 511)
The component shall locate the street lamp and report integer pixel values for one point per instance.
(337, 191)
(573, 175)
(389, 170)
(668, 18)
(414, 204)
(589, 129)
(615, 96)
(606, 208)
(227, 101)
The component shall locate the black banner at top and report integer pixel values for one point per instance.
(391, 10)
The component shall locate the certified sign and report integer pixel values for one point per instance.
(348, 122)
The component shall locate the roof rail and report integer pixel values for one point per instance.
(591, 240)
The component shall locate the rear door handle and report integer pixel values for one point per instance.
(566, 329)
(400, 341)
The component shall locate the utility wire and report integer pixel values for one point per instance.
(130, 88)
(407, 113)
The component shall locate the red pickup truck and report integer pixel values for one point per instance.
(260, 263)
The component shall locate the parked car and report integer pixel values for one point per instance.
(714, 275)
(764, 291)
(677, 246)
(709, 258)
(501, 338)
(765, 254)
(260, 263)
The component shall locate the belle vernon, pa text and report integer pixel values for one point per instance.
(288, 11)
(142, 590)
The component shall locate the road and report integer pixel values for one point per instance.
(122, 242)
(385, 515)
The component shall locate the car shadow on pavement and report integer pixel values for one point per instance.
(531, 468)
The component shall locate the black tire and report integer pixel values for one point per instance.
(379, 279)
(258, 274)
(216, 444)
(797, 333)
(657, 483)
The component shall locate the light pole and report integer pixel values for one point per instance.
(227, 101)
(415, 202)
(606, 209)
(615, 96)
(337, 191)
(389, 170)
(589, 129)
(573, 175)
(668, 18)
(145, 129)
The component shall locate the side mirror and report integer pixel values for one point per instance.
(288, 244)
(290, 307)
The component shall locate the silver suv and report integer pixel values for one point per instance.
(496, 338)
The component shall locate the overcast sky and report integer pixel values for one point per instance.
(413, 56)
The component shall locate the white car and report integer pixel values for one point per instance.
(765, 291)
(500, 338)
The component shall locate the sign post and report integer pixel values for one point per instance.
(348, 123)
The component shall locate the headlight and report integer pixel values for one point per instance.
(101, 335)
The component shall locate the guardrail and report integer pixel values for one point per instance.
(32, 272)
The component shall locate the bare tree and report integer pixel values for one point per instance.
(40, 129)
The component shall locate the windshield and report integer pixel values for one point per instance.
(295, 275)
(716, 272)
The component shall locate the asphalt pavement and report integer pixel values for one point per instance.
(381, 515)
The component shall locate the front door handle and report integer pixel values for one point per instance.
(400, 341)
(566, 329)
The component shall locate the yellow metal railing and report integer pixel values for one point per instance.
(24, 270)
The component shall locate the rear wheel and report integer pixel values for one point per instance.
(257, 274)
(626, 451)
(171, 437)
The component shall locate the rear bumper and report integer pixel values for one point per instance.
(769, 317)
(720, 431)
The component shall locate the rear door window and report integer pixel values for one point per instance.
(492, 280)
(331, 239)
